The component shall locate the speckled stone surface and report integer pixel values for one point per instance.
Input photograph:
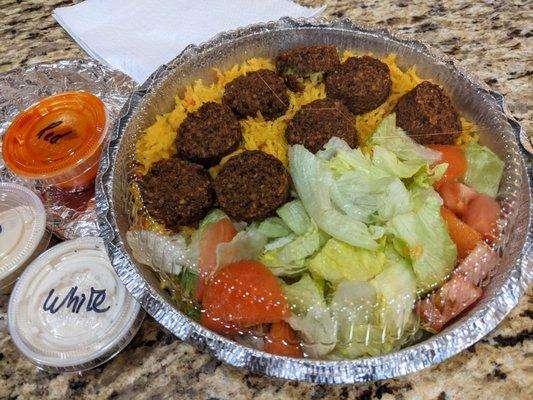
(492, 40)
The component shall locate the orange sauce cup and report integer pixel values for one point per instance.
(58, 140)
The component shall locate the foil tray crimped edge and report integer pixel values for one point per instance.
(429, 352)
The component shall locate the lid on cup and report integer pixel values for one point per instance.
(69, 310)
(23, 232)
(55, 134)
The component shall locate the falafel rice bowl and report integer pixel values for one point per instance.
(323, 204)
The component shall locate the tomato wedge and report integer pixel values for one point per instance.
(455, 157)
(450, 300)
(482, 215)
(480, 264)
(221, 231)
(241, 295)
(456, 196)
(282, 340)
(464, 237)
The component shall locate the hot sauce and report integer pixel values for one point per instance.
(58, 140)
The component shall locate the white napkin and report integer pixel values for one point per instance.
(137, 36)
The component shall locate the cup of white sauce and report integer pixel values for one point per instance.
(23, 234)
(69, 311)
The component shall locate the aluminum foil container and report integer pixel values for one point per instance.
(69, 215)
(499, 131)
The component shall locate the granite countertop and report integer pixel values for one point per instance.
(491, 40)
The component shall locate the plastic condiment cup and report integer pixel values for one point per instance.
(23, 234)
(58, 140)
(69, 310)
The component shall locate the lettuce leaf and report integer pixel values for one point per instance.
(424, 238)
(394, 139)
(376, 317)
(290, 258)
(332, 147)
(279, 242)
(346, 160)
(313, 181)
(371, 340)
(390, 163)
(425, 178)
(354, 303)
(368, 200)
(295, 217)
(337, 262)
(246, 245)
(273, 228)
(303, 295)
(354, 307)
(484, 169)
(369, 189)
(166, 253)
(311, 317)
(292, 269)
(318, 330)
(396, 287)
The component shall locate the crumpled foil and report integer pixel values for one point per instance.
(69, 215)
(486, 108)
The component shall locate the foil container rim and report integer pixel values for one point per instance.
(402, 362)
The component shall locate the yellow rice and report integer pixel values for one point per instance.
(158, 141)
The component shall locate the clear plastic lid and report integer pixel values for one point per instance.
(55, 133)
(58, 140)
(69, 310)
(23, 232)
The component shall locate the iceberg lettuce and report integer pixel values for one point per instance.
(370, 200)
(394, 139)
(311, 317)
(423, 236)
(166, 253)
(337, 262)
(390, 163)
(396, 288)
(279, 242)
(303, 295)
(273, 228)
(484, 169)
(375, 317)
(246, 245)
(313, 181)
(369, 189)
(289, 257)
(346, 160)
(295, 217)
(353, 304)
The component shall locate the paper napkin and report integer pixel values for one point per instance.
(137, 36)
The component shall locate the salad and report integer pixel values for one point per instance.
(375, 245)
(322, 204)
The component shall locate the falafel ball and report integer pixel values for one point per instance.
(177, 192)
(252, 185)
(427, 114)
(259, 91)
(319, 121)
(361, 83)
(300, 62)
(208, 134)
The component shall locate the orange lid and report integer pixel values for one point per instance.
(55, 134)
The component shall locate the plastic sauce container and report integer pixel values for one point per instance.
(23, 234)
(69, 311)
(58, 140)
